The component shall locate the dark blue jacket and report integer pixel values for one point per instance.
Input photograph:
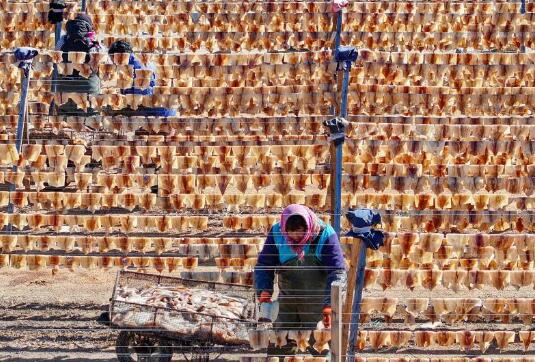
(146, 111)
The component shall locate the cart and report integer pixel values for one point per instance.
(156, 333)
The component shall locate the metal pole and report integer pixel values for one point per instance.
(338, 29)
(83, 6)
(523, 11)
(338, 159)
(57, 36)
(22, 112)
(345, 86)
(357, 299)
(25, 82)
(337, 188)
(337, 36)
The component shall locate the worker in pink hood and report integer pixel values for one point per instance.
(305, 254)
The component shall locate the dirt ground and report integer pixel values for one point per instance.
(52, 318)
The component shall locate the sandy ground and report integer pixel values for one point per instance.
(52, 318)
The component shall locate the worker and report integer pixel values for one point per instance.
(305, 254)
(121, 46)
(79, 37)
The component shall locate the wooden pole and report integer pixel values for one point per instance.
(357, 300)
(351, 282)
(337, 353)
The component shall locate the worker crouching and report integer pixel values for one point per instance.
(305, 254)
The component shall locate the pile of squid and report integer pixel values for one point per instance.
(197, 313)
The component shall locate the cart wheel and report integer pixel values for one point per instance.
(134, 347)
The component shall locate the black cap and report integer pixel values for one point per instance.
(84, 17)
(120, 46)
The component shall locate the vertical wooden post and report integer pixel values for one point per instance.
(351, 280)
(337, 352)
(357, 300)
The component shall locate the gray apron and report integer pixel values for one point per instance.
(301, 291)
(77, 84)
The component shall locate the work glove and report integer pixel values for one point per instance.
(327, 316)
(264, 297)
(55, 12)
